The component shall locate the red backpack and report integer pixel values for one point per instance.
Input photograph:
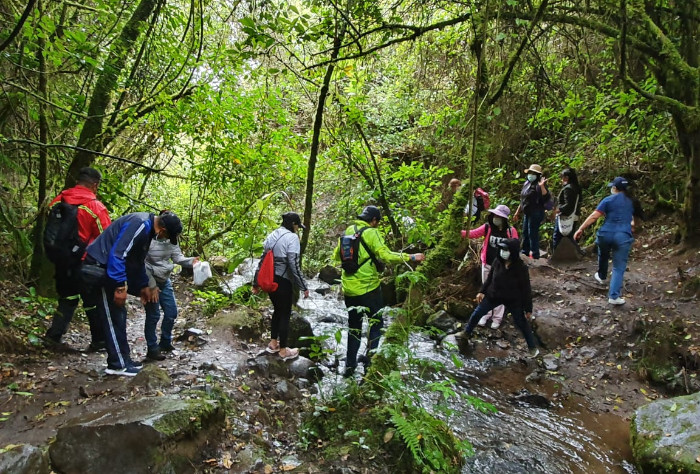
(266, 275)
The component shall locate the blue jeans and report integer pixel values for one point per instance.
(368, 305)
(166, 300)
(531, 232)
(516, 310)
(619, 243)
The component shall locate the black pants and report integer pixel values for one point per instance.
(368, 305)
(282, 300)
(71, 289)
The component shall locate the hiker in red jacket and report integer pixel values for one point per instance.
(93, 218)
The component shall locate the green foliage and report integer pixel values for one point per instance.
(37, 309)
(210, 301)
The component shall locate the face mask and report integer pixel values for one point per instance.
(498, 221)
(531, 177)
(505, 254)
(613, 191)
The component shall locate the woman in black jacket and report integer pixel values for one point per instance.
(569, 203)
(508, 284)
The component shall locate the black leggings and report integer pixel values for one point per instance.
(282, 303)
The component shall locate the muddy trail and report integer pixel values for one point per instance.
(597, 360)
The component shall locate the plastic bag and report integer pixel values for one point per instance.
(202, 271)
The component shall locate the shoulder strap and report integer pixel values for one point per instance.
(371, 254)
(272, 247)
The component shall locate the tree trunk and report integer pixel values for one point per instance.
(90, 135)
(38, 259)
(315, 140)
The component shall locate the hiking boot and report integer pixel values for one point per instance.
(616, 301)
(166, 347)
(126, 371)
(598, 279)
(363, 359)
(483, 320)
(154, 354)
(534, 352)
(99, 346)
(495, 325)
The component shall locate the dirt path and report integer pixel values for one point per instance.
(599, 358)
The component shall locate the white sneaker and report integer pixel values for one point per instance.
(534, 352)
(598, 279)
(484, 320)
(495, 325)
(616, 301)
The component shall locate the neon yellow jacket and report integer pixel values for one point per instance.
(367, 278)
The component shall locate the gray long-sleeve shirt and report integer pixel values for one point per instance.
(286, 247)
(161, 259)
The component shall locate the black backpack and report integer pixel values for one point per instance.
(350, 250)
(61, 240)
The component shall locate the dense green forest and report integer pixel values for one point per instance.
(232, 112)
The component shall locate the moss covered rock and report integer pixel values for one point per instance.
(247, 324)
(666, 436)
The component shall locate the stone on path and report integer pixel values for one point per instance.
(25, 459)
(666, 435)
(148, 435)
(566, 251)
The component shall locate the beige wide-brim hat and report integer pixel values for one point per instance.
(535, 169)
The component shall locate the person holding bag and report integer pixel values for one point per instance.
(535, 199)
(284, 244)
(568, 208)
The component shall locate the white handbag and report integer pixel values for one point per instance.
(566, 223)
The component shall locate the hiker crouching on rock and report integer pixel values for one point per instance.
(495, 231)
(91, 219)
(361, 287)
(120, 252)
(285, 246)
(508, 284)
(162, 256)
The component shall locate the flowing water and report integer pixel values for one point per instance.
(521, 437)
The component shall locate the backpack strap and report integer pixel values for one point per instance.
(371, 254)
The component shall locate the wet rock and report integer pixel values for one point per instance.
(460, 309)
(503, 344)
(161, 434)
(551, 362)
(247, 324)
(219, 263)
(152, 377)
(193, 337)
(299, 328)
(25, 459)
(534, 399)
(666, 435)
(331, 319)
(323, 290)
(534, 377)
(286, 391)
(304, 368)
(566, 251)
(552, 331)
(443, 321)
(329, 274)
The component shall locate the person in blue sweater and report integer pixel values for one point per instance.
(121, 252)
(615, 235)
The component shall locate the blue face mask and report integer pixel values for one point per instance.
(505, 254)
(532, 177)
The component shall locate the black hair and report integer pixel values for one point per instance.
(571, 174)
(289, 219)
(89, 175)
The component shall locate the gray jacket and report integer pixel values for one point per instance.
(161, 259)
(286, 248)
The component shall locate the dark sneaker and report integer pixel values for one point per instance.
(363, 359)
(155, 354)
(349, 372)
(99, 346)
(127, 371)
(136, 365)
(166, 347)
